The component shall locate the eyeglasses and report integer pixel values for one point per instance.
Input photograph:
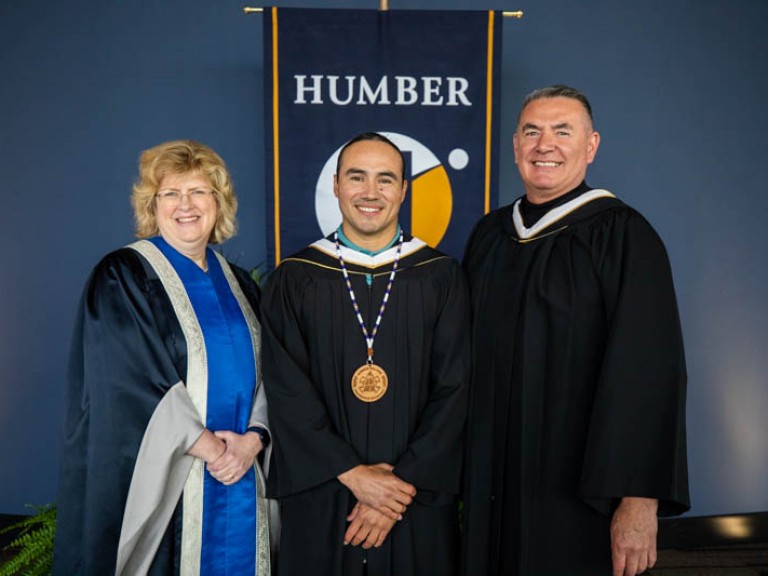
(173, 197)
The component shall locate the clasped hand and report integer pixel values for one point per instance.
(240, 451)
(382, 499)
(367, 526)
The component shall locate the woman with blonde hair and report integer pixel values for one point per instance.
(166, 426)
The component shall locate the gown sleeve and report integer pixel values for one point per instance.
(259, 415)
(121, 366)
(637, 445)
(433, 458)
(299, 418)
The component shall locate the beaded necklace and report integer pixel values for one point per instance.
(369, 382)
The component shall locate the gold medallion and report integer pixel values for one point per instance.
(369, 383)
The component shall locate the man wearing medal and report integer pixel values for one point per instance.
(366, 364)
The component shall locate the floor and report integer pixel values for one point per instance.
(731, 561)
(687, 546)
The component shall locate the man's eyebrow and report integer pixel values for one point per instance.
(559, 126)
(353, 171)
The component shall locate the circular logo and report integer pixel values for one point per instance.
(431, 198)
(369, 383)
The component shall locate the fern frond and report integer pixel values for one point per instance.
(33, 547)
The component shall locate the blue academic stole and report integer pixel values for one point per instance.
(229, 512)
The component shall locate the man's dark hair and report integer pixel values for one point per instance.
(370, 137)
(557, 91)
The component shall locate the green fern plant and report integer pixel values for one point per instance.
(33, 547)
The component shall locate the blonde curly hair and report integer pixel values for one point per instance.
(182, 157)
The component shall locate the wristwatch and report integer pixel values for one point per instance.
(263, 434)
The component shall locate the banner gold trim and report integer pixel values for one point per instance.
(488, 113)
(276, 133)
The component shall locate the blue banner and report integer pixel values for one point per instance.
(427, 80)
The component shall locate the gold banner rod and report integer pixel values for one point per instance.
(384, 6)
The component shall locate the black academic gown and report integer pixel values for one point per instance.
(312, 345)
(128, 351)
(578, 389)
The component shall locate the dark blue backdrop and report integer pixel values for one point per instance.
(678, 90)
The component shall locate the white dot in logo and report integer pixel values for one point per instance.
(458, 159)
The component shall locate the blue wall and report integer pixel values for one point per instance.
(677, 87)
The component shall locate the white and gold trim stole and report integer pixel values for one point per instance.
(352, 256)
(554, 215)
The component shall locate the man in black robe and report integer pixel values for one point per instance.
(367, 472)
(576, 433)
